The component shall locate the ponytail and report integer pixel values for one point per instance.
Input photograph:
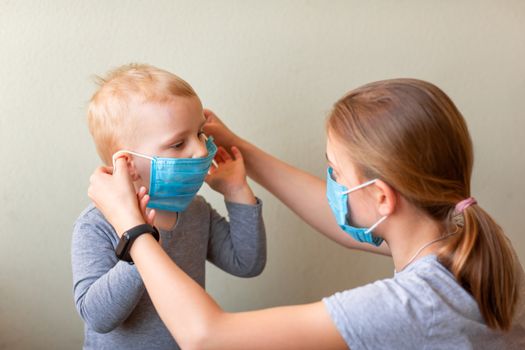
(484, 263)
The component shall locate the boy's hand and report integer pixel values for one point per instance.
(230, 177)
(114, 195)
(221, 134)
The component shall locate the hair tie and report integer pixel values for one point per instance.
(464, 204)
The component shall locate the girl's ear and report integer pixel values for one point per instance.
(386, 197)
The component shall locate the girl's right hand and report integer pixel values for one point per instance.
(114, 195)
(148, 214)
(221, 134)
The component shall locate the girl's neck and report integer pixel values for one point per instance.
(410, 236)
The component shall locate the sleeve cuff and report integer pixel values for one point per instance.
(234, 205)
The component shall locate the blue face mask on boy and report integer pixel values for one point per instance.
(337, 195)
(174, 182)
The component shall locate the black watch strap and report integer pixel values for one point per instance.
(127, 239)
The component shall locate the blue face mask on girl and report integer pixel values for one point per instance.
(174, 182)
(337, 195)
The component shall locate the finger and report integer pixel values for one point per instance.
(142, 192)
(208, 114)
(212, 170)
(121, 166)
(237, 153)
(150, 219)
(122, 173)
(219, 155)
(225, 155)
(143, 204)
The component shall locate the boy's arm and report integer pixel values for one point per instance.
(238, 247)
(106, 290)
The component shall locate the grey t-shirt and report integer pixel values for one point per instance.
(421, 307)
(110, 295)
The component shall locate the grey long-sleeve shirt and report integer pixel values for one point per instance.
(110, 295)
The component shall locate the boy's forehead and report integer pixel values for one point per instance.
(183, 111)
(168, 118)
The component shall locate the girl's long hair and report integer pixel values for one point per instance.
(409, 133)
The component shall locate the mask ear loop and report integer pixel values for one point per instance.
(376, 224)
(120, 153)
(368, 183)
(213, 160)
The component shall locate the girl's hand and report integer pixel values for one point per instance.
(220, 132)
(114, 195)
(229, 178)
(148, 214)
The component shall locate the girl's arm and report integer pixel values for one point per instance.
(302, 192)
(197, 322)
(191, 315)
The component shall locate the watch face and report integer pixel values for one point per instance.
(127, 239)
(122, 247)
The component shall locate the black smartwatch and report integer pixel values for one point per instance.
(127, 239)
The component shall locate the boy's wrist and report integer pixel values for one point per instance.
(241, 195)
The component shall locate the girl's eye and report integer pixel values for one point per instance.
(178, 145)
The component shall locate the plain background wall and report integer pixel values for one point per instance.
(271, 70)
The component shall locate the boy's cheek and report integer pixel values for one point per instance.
(141, 176)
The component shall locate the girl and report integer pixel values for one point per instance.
(398, 182)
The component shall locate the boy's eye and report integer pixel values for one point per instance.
(180, 144)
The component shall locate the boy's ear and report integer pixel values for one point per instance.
(131, 167)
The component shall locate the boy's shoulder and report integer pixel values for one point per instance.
(92, 221)
(90, 214)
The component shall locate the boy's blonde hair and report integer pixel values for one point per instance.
(108, 112)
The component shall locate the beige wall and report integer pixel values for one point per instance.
(271, 69)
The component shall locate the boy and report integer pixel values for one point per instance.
(154, 120)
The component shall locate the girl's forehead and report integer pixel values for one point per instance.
(335, 152)
(338, 158)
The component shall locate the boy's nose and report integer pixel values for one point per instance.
(200, 149)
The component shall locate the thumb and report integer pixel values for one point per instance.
(121, 167)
